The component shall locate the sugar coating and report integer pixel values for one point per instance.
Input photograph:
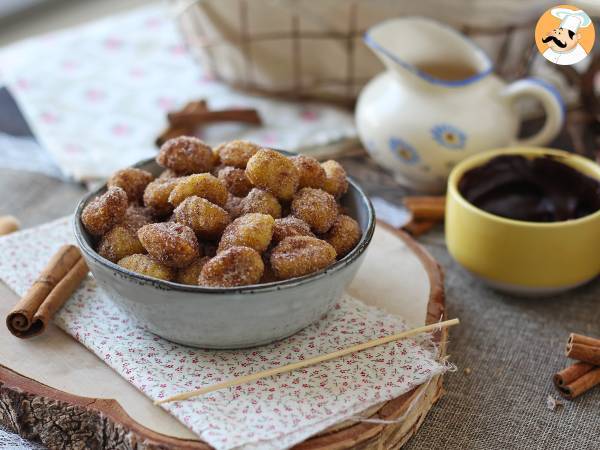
(235, 180)
(261, 201)
(310, 171)
(105, 211)
(185, 155)
(119, 242)
(316, 207)
(156, 196)
(172, 244)
(206, 219)
(343, 235)
(237, 153)
(236, 266)
(167, 174)
(133, 181)
(145, 265)
(300, 255)
(190, 274)
(336, 182)
(251, 230)
(272, 171)
(233, 206)
(202, 185)
(136, 217)
(290, 226)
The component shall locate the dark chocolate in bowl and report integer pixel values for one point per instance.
(540, 189)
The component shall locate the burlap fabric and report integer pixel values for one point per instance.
(511, 346)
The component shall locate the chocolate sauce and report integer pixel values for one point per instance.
(536, 190)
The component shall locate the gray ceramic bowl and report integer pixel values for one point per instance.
(228, 317)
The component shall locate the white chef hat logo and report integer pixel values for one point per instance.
(570, 19)
(564, 35)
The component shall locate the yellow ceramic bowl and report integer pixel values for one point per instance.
(527, 258)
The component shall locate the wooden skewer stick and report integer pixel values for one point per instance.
(308, 362)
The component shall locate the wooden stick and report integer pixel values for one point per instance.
(571, 373)
(586, 353)
(575, 338)
(20, 320)
(581, 384)
(8, 224)
(308, 362)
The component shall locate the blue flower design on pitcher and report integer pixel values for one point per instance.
(404, 151)
(449, 136)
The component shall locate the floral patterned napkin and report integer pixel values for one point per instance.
(271, 413)
(96, 96)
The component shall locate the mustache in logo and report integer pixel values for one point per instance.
(556, 41)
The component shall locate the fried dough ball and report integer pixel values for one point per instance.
(185, 155)
(205, 218)
(133, 181)
(105, 211)
(235, 180)
(236, 266)
(260, 201)
(233, 206)
(119, 242)
(167, 174)
(300, 255)
(202, 185)
(316, 207)
(310, 171)
(343, 235)
(237, 153)
(156, 195)
(290, 226)
(145, 265)
(190, 274)
(251, 230)
(172, 244)
(336, 182)
(136, 217)
(272, 171)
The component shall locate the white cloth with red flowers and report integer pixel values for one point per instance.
(271, 413)
(96, 96)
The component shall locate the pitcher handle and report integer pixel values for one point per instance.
(550, 99)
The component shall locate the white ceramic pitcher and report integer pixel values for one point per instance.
(439, 102)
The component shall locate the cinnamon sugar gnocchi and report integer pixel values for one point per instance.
(237, 215)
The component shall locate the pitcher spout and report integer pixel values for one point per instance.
(430, 50)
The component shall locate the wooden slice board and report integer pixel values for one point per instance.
(54, 391)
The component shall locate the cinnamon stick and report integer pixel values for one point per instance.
(173, 132)
(418, 227)
(581, 384)
(8, 224)
(575, 338)
(195, 118)
(571, 373)
(582, 352)
(56, 283)
(430, 208)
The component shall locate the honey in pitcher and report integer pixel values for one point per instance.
(447, 71)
